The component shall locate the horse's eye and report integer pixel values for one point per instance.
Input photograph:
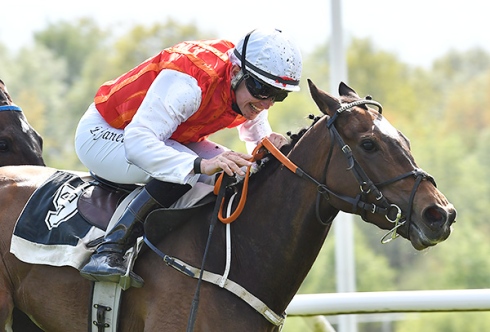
(4, 146)
(368, 145)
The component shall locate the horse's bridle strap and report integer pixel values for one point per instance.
(10, 108)
(258, 153)
(356, 202)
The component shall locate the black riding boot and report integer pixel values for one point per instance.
(107, 263)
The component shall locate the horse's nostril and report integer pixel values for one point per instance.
(435, 215)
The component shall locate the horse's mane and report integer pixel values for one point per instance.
(269, 164)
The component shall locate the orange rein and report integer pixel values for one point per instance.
(257, 154)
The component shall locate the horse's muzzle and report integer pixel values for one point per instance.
(434, 227)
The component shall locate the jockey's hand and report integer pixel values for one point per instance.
(229, 161)
(277, 140)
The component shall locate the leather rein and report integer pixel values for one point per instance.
(392, 212)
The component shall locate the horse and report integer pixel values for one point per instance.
(350, 159)
(20, 144)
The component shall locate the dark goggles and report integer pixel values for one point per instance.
(261, 90)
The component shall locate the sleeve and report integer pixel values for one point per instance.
(252, 131)
(171, 99)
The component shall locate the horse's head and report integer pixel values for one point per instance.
(386, 187)
(20, 144)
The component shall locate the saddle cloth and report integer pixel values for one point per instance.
(51, 229)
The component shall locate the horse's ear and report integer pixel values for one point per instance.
(325, 102)
(345, 90)
(3, 88)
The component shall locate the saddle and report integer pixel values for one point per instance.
(99, 202)
(67, 217)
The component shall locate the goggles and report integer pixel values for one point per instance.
(261, 90)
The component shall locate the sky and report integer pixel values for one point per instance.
(416, 31)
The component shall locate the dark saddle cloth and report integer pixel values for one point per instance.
(65, 208)
(67, 216)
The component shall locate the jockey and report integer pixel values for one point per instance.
(150, 125)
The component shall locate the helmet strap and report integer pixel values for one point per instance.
(237, 79)
(244, 52)
(243, 71)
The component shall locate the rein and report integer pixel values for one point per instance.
(392, 212)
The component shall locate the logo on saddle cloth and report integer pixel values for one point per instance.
(64, 209)
(65, 203)
(53, 228)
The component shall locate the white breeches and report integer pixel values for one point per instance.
(100, 148)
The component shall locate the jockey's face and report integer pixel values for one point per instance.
(249, 105)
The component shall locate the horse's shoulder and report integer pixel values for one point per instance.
(26, 175)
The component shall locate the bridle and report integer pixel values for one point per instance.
(10, 108)
(392, 212)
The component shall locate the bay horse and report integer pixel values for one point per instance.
(20, 144)
(350, 159)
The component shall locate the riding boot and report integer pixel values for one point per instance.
(107, 263)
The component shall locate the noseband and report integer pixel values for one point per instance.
(392, 212)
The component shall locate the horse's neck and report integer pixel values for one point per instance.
(283, 236)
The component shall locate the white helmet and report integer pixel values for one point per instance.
(271, 57)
